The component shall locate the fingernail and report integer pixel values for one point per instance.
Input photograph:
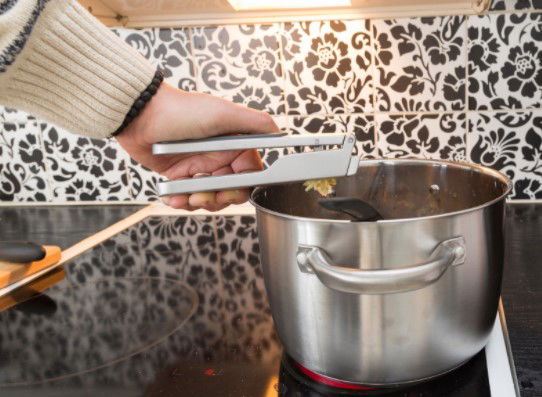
(166, 200)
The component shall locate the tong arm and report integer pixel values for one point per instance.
(290, 168)
(242, 142)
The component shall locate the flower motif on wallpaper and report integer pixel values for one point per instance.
(187, 84)
(168, 50)
(442, 46)
(315, 100)
(170, 53)
(423, 136)
(316, 124)
(421, 60)
(21, 163)
(383, 48)
(80, 189)
(526, 188)
(362, 126)
(241, 63)
(269, 156)
(454, 85)
(260, 59)
(421, 145)
(505, 61)
(496, 150)
(397, 129)
(454, 150)
(523, 70)
(510, 5)
(483, 48)
(532, 150)
(327, 59)
(330, 57)
(96, 157)
(410, 132)
(84, 169)
(510, 143)
(143, 182)
(28, 149)
(291, 40)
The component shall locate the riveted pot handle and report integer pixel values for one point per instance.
(446, 254)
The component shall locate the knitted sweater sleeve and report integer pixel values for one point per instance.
(61, 64)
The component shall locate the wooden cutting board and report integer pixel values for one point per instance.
(12, 272)
(32, 289)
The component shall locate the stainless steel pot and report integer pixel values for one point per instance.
(393, 301)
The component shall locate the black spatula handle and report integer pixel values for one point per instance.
(21, 251)
(358, 210)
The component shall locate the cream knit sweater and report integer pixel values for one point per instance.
(62, 65)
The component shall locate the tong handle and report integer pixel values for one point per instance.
(290, 168)
(242, 142)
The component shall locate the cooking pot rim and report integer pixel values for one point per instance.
(486, 170)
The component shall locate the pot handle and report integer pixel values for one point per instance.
(448, 253)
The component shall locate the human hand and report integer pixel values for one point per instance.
(173, 114)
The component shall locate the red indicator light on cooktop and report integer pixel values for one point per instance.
(330, 382)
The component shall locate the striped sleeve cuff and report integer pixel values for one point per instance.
(74, 72)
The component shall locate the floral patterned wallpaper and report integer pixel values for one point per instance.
(465, 88)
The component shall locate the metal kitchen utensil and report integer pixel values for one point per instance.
(357, 209)
(318, 164)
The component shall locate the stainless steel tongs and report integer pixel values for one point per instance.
(318, 164)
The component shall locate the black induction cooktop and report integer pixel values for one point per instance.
(165, 309)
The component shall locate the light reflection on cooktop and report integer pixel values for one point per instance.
(80, 327)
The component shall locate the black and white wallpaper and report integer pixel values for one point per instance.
(465, 88)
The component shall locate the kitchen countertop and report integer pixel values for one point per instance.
(521, 292)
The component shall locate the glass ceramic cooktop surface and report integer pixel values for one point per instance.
(162, 309)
